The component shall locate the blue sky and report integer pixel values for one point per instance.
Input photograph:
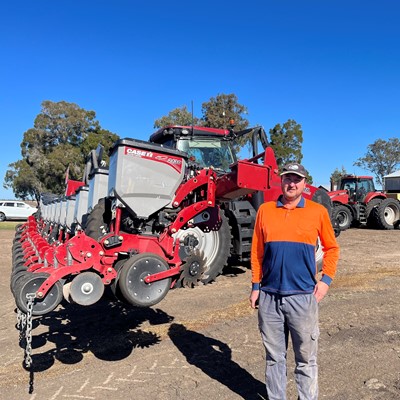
(332, 65)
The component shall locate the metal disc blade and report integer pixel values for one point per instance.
(86, 288)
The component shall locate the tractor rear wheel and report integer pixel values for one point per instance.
(369, 215)
(387, 214)
(343, 216)
(97, 221)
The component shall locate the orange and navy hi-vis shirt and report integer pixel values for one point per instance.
(283, 247)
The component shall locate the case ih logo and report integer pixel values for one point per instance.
(174, 162)
(136, 152)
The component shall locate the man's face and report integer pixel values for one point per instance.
(292, 186)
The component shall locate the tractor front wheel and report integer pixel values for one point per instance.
(214, 246)
(343, 216)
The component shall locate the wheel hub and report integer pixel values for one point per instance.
(87, 288)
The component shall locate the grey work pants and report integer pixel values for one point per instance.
(298, 315)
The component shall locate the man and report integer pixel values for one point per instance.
(284, 281)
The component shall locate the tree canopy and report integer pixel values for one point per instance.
(216, 113)
(287, 140)
(336, 176)
(62, 136)
(178, 116)
(382, 158)
(220, 110)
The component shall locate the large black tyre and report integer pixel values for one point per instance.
(53, 237)
(98, 221)
(369, 215)
(2, 217)
(387, 214)
(214, 246)
(343, 216)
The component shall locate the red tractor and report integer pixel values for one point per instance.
(357, 203)
(219, 149)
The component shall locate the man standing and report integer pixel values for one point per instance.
(284, 281)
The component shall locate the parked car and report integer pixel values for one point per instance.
(15, 210)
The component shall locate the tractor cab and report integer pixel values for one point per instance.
(205, 147)
(357, 187)
(212, 147)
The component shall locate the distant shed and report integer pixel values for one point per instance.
(392, 182)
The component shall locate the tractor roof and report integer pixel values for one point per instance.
(356, 177)
(186, 131)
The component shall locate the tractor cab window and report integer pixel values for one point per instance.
(366, 185)
(170, 142)
(215, 153)
(350, 186)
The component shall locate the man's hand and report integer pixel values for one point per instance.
(321, 289)
(254, 297)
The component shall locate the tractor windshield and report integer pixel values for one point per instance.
(206, 153)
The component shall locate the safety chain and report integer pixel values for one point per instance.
(21, 324)
(28, 333)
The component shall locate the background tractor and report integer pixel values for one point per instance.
(356, 202)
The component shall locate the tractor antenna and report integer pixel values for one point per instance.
(192, 119)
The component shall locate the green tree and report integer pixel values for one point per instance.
(93, 139)
(178, 116)
(382, 158)
(336, 176)
(22, 178)
(287, 140)
(220, 110)
(60, 138)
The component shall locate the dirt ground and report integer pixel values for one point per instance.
(203, 343)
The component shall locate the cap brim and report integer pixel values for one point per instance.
(293, 172)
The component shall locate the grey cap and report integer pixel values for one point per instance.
(294, 168)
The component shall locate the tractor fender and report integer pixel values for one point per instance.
(374, 195)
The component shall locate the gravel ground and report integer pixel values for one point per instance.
(203, 343)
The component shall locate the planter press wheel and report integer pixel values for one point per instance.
(114, 284)
(86, 288)
(16, 251)
(131, 280)
(16, 276)
(30, 283)
(19, 228)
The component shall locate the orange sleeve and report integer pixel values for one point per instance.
(257, 248)
(330, 248)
